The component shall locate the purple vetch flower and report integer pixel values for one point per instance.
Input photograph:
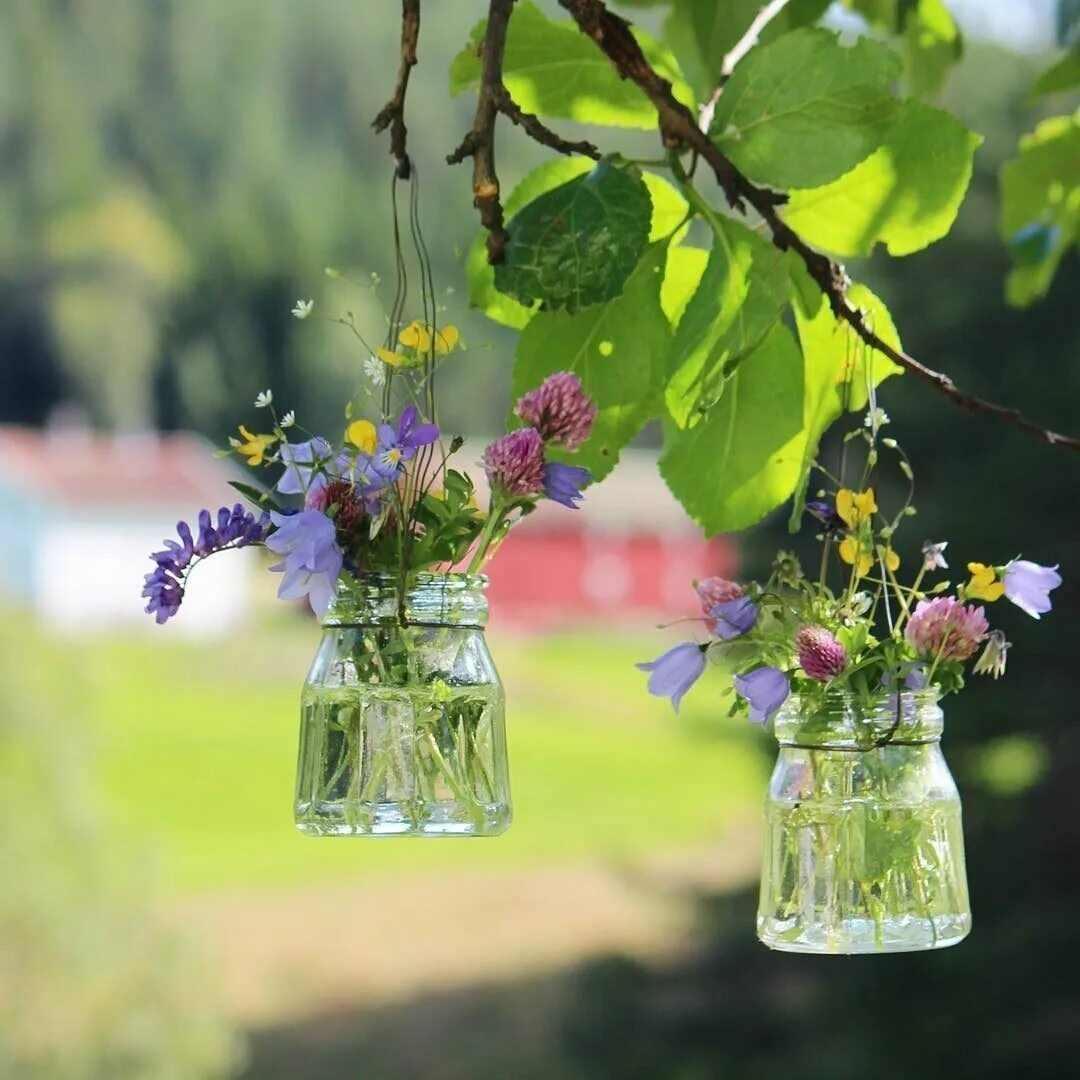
(313, 560)
(515, 464)
(397, 444)
(945, 628)
(672, 674)
(825, 512)
(821, 656)
(302, 462)
(560, 410)
(1028, 585)
(563, 483)
(234, 528)
(732, 618)
(764, 689)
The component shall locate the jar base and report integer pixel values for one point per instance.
(397, 819)
(864, 936)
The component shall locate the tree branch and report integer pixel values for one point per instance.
(392, 114)
(679, 130)
(536, 129)
(736, 53)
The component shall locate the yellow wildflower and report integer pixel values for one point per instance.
(851, 549)
(416, 336)
(362, 434)
(446, 340)
(855, 507)
(983, 584)
(891, 559)
(253, 447)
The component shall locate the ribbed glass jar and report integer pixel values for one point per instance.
(864, 851)
(402, 728)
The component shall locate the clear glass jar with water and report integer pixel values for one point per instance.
(402, 728)
(864, 851)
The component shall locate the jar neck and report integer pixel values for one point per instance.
(426, 600)
(843, 722)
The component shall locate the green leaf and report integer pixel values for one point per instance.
(1040, 205)
(703, 32)
(1064, 75)
(906, 195)
(740, 296)
(616, 348)
(576, 245)
(551, 69)
(804, 109)
(743, 458)
(668, 210)
(258, 497)
(685, 265)
(839, 371)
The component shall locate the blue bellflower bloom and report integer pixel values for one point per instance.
(313, 560)
(733, 618)
(563, 483)
(1028, 585)
(305, 465)
(672, 674)
(234, 527)
(764, 689)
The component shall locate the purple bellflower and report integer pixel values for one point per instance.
(1028, 585)
(764, 689)
(313, 560)
(672, 674)
(732, 618)
(563, 483)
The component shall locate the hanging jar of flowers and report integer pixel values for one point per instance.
(402, 721)
(863, 846)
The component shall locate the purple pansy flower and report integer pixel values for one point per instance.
(764, 689)
(313, 560)
(1028, 585)
(733, 618)
(301, 461)
(563, 483)
(397, 445)
(672, 674)
(164, 587)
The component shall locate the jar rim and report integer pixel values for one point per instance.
(427, 599)
(843, 721)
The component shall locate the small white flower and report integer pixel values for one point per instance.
(375, 370)
(934, 555)
(876, 418)
(375, 279)
(288, 419)
(303, 309)
(264, 399)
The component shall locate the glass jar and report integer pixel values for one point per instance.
(402, 728)
(864, 851)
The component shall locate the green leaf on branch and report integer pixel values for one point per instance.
(668, 210)
(617, 349)
(577, 244)
(1064, 75)
(906, 195)
(741, 294)
(685, 265)
(743, 458)
(1040, 206)
(703, 32)
(551, 69)
(840, 371)
(804, 109)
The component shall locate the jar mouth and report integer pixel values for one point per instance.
(427, 599)
(844, 721)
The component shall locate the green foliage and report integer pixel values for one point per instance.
(905, 195)
(577, 245)
(551, 69)
(617, 349)
(1064, 75)
(804, 109)
(450, 522)
(1040, 209)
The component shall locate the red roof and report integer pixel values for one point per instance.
(75, 466)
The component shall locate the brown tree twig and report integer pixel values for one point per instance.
(679, 130)
(392, 114)
(479, 142)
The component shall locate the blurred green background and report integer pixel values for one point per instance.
(173, 176)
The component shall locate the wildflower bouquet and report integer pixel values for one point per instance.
(863, 848)
(402, 727)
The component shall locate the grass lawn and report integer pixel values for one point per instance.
(194, 749)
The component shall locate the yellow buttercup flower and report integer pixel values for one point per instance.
(416, 336)
(892, 560)
(851, 550)
(398, 360)
(253, 447)
(983, 584)
(855, 507)
(362, 434)
(446, 340)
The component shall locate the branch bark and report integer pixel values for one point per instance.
(679, 130)
(392, 114)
